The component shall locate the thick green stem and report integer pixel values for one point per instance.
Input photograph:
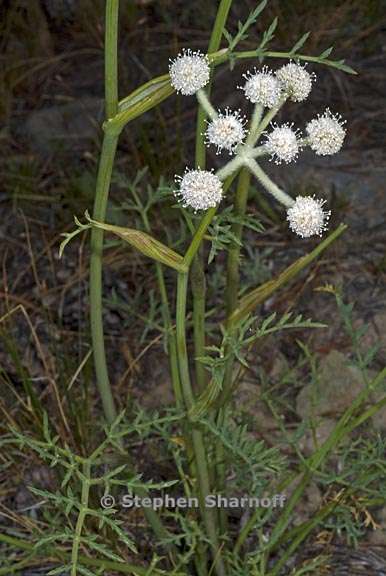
(111, 58)
(201, 465)
(102, 189)
(100, 203)
(106, 162)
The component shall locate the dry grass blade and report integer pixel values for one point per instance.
(47, 368)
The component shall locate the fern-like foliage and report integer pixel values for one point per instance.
(236, 343)
(245, 453)
(220, 230)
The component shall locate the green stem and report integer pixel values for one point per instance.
(266, 120)
(206, 105)
(230, 168)
(111, 58)
(268, 184)
(105, 169)
(198, 285)
(167, 320)
(102, 189)
(198, 274)
(256, 119)
(231, 296)
(233, 273)
(198, 288)
(201, 464)
(81, 517)
(232, 290)
(106, 162)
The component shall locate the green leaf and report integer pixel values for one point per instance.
(151, 485)
(221, 234)
(60, 570)
(269, 34)
(300, 43)
(326, 53)
(206, 399)
(260, 294)
(102, 549)
(46, 430)
(243, 28)
(68, 236)
(85, 571)
(143, 92)
(227, 36)
(145, 244)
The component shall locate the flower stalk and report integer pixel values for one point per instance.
(109, 147)
(205, 104)
(268, 184)
(201, 464)
(198, 283)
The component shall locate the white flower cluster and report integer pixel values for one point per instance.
(262, 87)
(283, 144)
(296, 81)
(266, 88)
(199, 189)
(326, 133)
(306, 217)
(189, 72)
(226, 131)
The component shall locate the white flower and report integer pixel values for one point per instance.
(296, 81)
(199, 189)
(306, 217)
(226, 131)
(326, 133)
(189, 72)
(262, 87)
(282, 143)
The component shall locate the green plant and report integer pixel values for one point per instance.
(200, 542)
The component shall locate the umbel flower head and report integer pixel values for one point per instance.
(326, 133)
(306, 217)
(296, 81)
(189, 72)
(262, 87)
(226, 131)
(199, 189)
(282, 143)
